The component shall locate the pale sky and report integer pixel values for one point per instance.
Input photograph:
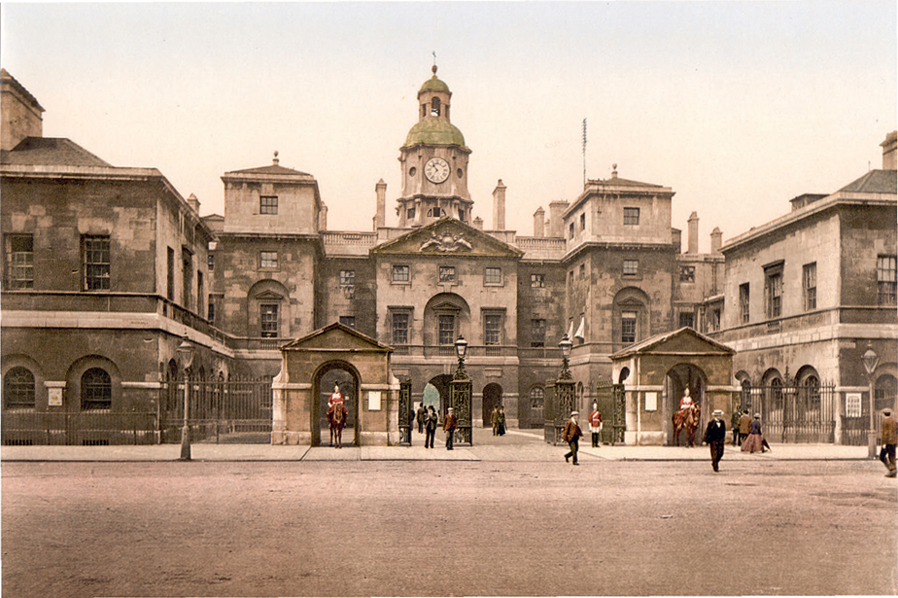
(737, 106)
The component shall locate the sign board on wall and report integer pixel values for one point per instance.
(651, 401)
(373, 400)
(54, 398)
(853, 404)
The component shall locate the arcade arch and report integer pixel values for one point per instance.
(343, 375)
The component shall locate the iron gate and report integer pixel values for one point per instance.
(406, 417)
(794, 413)
(611, 401)
(236, 410)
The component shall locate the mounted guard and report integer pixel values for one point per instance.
(687, 417)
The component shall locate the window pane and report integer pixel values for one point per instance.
(631, 216)
(400, 273)
(744, 303)
(493, 276)
(268, 205)
(537, 281)
(491, 329)
(96, 389)
(20, 262)
(628, 327)
(886, 278)
(269, 321)
(18, 389)
(447, 330)
(631, 267)
(96, 263)
(269, 259)
(400, 328)
(538, 333)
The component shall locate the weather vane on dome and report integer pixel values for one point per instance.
(434, 69)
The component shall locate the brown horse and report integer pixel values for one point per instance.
(687, 419)
(336, 417)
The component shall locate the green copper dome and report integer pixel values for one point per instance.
(432, 131)
(434, 84)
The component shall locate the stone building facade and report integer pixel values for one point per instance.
(605, 268)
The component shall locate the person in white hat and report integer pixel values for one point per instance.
(571, 436)
(715, 436)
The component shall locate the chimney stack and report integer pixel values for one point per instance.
(22, 116)
(380, 220)
(322, 217)
(692, 237)
(499, 206)
(539, 222)
(194, 203)
(478, 223)
(716, 237)
(556, 222)
(888, 151)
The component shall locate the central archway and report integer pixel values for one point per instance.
(347, 378)
(492, 397)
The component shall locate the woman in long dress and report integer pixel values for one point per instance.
(755, 440)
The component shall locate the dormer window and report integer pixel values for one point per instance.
(435, 107)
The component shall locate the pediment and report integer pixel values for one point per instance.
(684, 341)
(448, 237)
(336, 336)
(269, 296)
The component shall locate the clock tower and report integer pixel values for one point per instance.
(434, 162)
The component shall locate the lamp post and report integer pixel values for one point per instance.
(871, 360)
(460, 395)
(185, 356)
(565, 345)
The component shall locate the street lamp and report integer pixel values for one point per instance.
(185, 356)
(565, 345)
(460, 395)
(461, 349)
(871, 360)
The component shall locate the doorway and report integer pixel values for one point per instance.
(330, 376)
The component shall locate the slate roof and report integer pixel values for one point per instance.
(271, 169)
(50, 151)
(875, 181)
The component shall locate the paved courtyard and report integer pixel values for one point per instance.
(436, 527)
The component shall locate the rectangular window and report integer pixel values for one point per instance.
(687, 273)
(492, 276)
(886, 279)
(447, 329)
(714, 319)
(631, 216)
(537, 333)
(410, 214)
(773, 290)
(400, 273)
(269, 320)
(400, 328)
(200, 291)
(492, 328)
(570, 231)
(537, 281)
(447, 274)
(348, 321)
(268, 260)
(20, 261)
(95, 251)
(744, 298)
(268, 204)
(631, 267)
(347, 278)
(211, 262)
(210, 313)
(582, 271)
(809, 284)
(187, 277)
(583, 221)
(687, 319)
(628, 327)
(170, 290)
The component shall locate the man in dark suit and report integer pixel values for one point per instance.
(715, 436)
(572, 436)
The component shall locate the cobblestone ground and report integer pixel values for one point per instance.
(447, 528)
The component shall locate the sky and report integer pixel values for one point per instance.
(736, 106)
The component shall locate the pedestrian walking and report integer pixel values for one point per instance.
(744, 426)
(430, 426)
(755, 440)
(572, 436)
(449, 423)
(889, 440)
(715, 436)
(494, 420)
(419, 418)
(734, 426)
(500, 421)
(595, 425)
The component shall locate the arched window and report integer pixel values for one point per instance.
(885, 391)
(18, 389)
(537, 402)
(436, 213)
(96, 389)
(435, 107)
(810, 393)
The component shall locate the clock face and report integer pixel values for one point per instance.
(436, 170)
